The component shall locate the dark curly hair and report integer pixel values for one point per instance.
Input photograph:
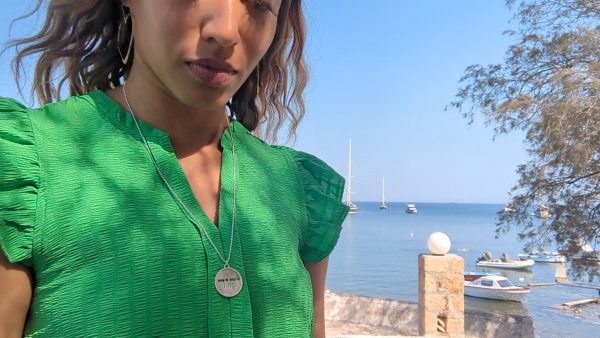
(79, 39)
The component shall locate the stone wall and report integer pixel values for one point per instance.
(492, 325)
(403, 317)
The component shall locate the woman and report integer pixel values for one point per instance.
(143, 206)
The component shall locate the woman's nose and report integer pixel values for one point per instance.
(221, 21)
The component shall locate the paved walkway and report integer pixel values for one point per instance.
(337, 329)
(350, 330)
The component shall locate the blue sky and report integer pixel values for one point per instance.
(381, 73)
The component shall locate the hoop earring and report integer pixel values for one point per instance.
(126, 18)
(258, 79)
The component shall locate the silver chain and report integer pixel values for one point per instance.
(187, 211)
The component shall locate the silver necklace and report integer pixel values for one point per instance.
(228, 281)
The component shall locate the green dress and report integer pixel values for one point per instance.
(113, 255)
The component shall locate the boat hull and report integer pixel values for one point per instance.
(550, 259)
(515, 295)
(352, 208)
(542, 258)
(512, 265)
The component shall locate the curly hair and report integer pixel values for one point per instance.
(79, 41)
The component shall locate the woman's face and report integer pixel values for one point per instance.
(201, 51)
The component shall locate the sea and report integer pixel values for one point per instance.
(377, 255)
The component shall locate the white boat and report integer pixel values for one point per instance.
(588, 256)
(383, 205)
(544, 257)
(495, 287)
(411, 208)
(508, 208)
(353, 208)
(474, 275)
(486, 261)
(543, 212)
(512, 265)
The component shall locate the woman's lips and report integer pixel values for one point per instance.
(212, 72)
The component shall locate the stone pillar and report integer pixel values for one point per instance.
(441, 296)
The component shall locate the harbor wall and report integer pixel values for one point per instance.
(403, 317)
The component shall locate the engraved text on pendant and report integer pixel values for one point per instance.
(228, 282)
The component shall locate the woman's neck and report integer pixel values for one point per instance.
(190, 129)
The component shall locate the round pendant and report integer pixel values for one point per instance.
(228, 282)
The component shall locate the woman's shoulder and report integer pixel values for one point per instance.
(19, 181)
(323, 188)
(12, 109)
(15, 122)
(311, 165)
(307, 164)
(71, 107)
(61, 120)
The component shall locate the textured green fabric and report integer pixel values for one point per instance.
(114, 256)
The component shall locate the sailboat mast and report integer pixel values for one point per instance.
(348, 196)
(383, 190)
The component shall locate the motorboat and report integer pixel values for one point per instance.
(411, 208)
(587, 254)
(487, 261)
(543, 212)
(495, 287)
(508, 207)
(512, 265)
(474, 275)
(544, 257)
(588, 257)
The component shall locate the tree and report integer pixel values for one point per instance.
(549, 87)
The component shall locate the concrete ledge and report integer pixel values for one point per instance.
(378, 312)
(492, 325)
(401, 318)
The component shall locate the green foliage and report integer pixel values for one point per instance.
(548, 87)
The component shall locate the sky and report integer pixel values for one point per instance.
(381, 74)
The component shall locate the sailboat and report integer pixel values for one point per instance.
(543, 211)
(353, 207)
(383, 205)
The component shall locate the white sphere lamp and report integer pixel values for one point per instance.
(438, 243)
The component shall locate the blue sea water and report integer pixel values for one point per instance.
(377, 256)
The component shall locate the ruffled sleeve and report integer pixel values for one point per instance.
(19, 182)
(323, 189)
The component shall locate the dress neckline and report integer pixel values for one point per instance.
(163, 150)
(124, 119)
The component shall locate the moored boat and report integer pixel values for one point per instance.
(474, 275)
(495, 287)
(411, 208)
(486, 260)
(352, 207)
(590, 257)
(383, 205)
(508, 207)
(543, 211)
(512, 265)
(545, 257)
